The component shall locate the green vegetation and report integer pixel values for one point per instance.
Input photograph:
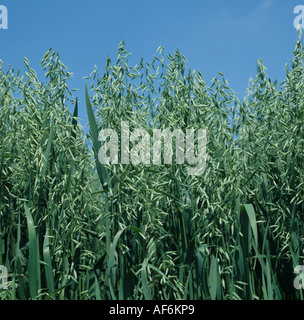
(72, 228)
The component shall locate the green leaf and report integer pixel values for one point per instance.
(33, 260)
(144, 280)
(110, 263)
(48, 267)
(214, 278)
(74, 120)
(101, 170)
(249, 210)
(48, 150)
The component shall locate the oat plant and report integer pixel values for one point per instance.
(73, 228)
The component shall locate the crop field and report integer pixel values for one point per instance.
(74, 228)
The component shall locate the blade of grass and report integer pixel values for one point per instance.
(48, 267)
(213, 279)
(33, 259)
(74, 121)
(48, 150)
(144, 280)
(101, 170)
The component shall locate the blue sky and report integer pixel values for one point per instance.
(218, 35)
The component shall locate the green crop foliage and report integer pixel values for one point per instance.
(72, 228)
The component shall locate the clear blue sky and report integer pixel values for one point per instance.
(214, 35)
